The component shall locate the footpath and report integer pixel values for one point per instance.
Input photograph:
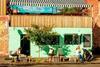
(6, 62)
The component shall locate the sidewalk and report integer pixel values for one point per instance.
(8, 62)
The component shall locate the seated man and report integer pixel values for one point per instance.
(78, 53)
(51, 54)
(16, 54)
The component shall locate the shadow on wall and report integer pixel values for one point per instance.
(19, 32)
(46, 48)
(96, 39)
(65, 49)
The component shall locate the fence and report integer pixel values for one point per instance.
(56, 20)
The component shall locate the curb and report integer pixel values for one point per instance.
(29, 64)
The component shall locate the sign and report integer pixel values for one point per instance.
(32, 9)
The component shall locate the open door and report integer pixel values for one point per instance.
(25, 45)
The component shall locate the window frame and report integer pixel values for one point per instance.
(84, 43)
(51, 36)
(78, 39)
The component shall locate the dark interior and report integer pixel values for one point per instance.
(25, 45)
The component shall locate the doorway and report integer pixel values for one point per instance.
(25, 45)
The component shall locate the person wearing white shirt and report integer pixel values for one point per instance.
(78, 53)
(51, 54)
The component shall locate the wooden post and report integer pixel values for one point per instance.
(2, 7)
(4, 35)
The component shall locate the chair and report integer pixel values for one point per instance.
(29, 58)
(22, 57)
(13, 56)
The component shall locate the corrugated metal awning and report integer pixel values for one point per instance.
(51, 3)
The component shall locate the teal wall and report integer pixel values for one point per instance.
(14, 41)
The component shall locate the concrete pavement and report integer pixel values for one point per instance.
(54, 65)
(4, 61)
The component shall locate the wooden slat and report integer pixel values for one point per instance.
(56, 20)
(2, 7)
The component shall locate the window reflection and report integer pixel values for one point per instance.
(71, 39)
(87, 40)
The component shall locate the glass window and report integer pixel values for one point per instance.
(54, 40)
(71, 39)
(87, 40)
(51, 40)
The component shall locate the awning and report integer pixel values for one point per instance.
(51, 3)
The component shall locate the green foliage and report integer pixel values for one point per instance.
(72, 10)
(38, 34)
(75, 11)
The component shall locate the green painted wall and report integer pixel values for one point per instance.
(14, 41)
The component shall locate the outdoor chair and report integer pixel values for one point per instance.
(29, 58)
(18, 57)
(22, 58)
(58, 58)
(61, 58)
(74, 59)
(13, 56)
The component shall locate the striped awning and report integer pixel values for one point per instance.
(51, 3)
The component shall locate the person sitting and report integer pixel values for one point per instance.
(18, 54)
(51, 54)
(78, 54)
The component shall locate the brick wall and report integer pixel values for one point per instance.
(96, 28)
(3, 39)
(96, 21)
(3, 29)
(95, 7)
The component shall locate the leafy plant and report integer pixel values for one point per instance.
(39, 34)
(74, 11)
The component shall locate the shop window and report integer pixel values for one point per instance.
(71, 39)
(50, 40)
(87, 40)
